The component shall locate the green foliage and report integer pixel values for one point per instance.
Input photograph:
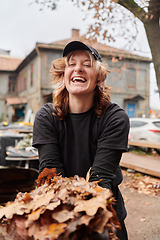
(2, 117)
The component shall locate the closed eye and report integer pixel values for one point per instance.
(87, 65)
(71, 64)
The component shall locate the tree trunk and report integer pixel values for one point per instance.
(152, 29)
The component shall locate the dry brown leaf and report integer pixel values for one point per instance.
(85, 219)
(43, 200)
(92, 205)
(55, 230)
(37, 232)
(53, 205)
(45, 176)
(63, 194)
(143, 183)
(105, 216)
(72, 225)
(59, 209)
(11, 209)
(34, 216)
(143, 219)
(63, 216)
(20, 225)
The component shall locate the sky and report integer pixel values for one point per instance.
(22, 24)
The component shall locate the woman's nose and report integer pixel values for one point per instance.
(78, 68)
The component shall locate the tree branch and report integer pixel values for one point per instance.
(134, 8)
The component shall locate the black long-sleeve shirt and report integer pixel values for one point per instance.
(81, 141)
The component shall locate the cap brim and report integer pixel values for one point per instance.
(77, 45)
(73, 46)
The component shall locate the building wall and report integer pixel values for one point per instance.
(47, 57)
(3, 83)
(155, 113)
(3, 93)
(32, 91)
(126, 78)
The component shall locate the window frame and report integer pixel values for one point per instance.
(12, 84)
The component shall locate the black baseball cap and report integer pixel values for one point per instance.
(77, 45)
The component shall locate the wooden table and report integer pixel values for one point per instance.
(27, 159)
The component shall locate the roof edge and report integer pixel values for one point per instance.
(26, 60)
(124, 55)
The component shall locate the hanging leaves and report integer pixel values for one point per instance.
(59, 208)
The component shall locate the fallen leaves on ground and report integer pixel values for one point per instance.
(59, 208)
(142, 183)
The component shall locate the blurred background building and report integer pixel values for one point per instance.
(26, 84)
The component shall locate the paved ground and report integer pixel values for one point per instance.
(143, 220)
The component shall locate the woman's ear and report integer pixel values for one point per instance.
(98, 78)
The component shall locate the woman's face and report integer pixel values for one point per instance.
(80, 76)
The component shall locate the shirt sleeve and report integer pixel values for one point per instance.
(112, 142)
(49, 157)
(104, 168)
(45, 139)
(44, 130)
(114, 131)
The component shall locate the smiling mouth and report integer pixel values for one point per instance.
(79, 79)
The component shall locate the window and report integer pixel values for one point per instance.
(131, 78)
(157, 124)
(12, 84)
(137, 124)
(32, 70)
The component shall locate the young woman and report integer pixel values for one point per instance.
(82, 129)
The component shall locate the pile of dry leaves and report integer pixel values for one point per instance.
(142, 183)
(59, 208)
